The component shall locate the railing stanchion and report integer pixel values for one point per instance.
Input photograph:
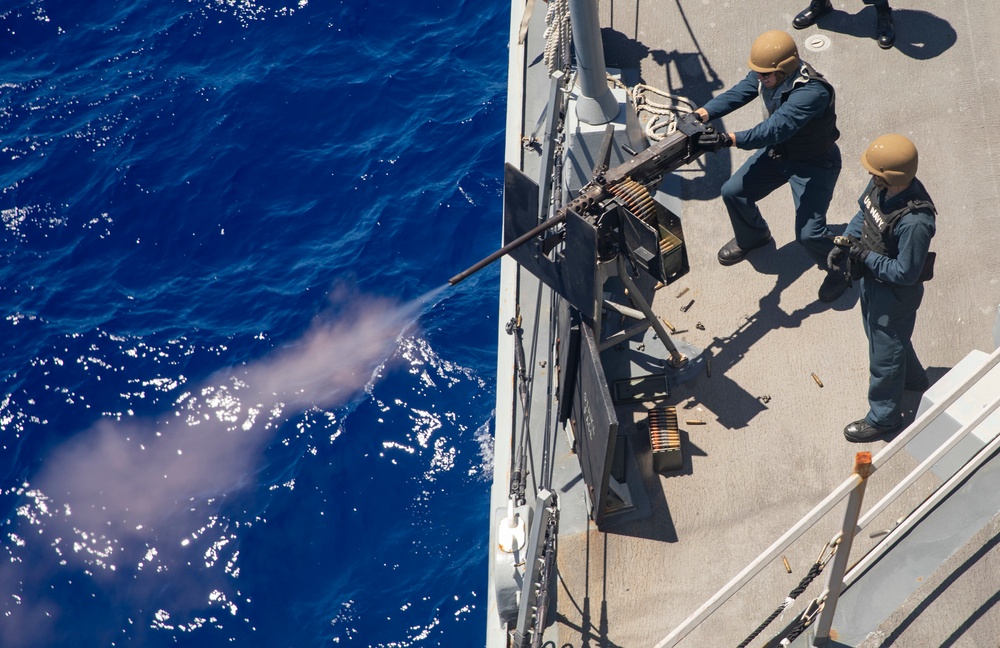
(838, 567)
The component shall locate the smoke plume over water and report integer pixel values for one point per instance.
(105, 501)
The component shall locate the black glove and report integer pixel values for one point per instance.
(714, 141)
(835, 258)
(857, 252)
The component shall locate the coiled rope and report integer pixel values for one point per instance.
(558, 37)
(660, 118)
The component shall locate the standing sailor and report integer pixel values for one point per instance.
(885, 32)
(796, 145)
(890, 237)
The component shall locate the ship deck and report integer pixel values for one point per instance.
(787, 371)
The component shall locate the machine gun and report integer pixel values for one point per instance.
(613, 221)
(630, 182)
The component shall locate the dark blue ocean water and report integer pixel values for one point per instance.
(238, 407)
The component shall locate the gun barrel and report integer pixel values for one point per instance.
(516, 243)
(670, 153)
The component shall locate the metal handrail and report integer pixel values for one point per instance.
(839, 493)
(926, 464)
(918, 513)
(843, 551)
(838, 582)
(763, 560)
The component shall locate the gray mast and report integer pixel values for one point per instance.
(596, 105)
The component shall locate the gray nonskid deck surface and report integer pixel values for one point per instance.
(954, 608)
(772, 445)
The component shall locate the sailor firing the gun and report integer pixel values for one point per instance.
(796, 145)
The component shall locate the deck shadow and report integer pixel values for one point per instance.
(910, 402)
(590, 636)
(734, 406)
(689, 75)
(919, 34)
(659, 524)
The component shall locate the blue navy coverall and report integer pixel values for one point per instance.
(812, 181)
(890, 295)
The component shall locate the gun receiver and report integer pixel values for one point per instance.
(646, 168)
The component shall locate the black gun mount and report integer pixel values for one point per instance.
(602, 254)
(628, 184)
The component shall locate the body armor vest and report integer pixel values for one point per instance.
(878, 232)
(818, 135)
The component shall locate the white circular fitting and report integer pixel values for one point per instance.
(817, 43)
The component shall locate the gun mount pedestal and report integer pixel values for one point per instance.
(641, 360)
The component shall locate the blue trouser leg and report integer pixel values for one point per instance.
(879, 4)
(889, 313)
(758, 177)
(915, 372)
(812, 189)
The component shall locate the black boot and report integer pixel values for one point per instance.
(809, 15)
(732, 253)
(862, 431)
(884, 29)
(834, 285)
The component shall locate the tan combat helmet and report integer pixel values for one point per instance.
(774, 51)
(892, 158)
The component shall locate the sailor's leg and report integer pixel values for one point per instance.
(885, 30)
(889, 313)
(812, 190)
(758, 177)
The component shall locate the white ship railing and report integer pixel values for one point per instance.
(855, 485)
